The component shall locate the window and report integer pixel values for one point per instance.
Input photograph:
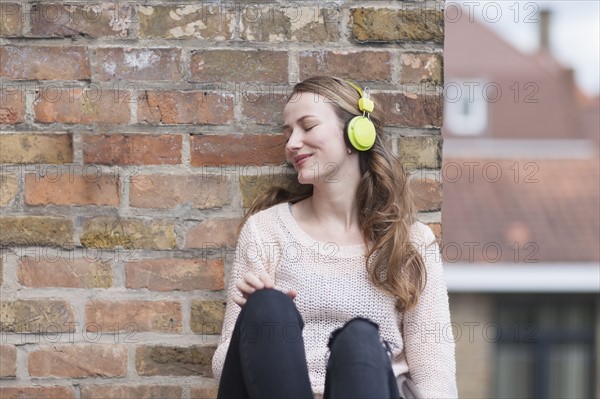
(465, 108)
(547, 347)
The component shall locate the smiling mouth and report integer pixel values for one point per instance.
(300, 159)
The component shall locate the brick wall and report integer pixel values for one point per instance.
(132, 138)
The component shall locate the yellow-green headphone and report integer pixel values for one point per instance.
(360, 130)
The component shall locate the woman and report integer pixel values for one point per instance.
(336, 290)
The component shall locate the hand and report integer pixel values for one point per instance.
(250, 283)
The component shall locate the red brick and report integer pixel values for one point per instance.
(239, 66)
(132, 149)
(175, 274)
(44, 62)
(36, 148)
(11, 19)
(212, 21)
(208, 391)
(109, 19)
(427, 194)
(53, 271)
(422, 68)
(70, 189)
(138, 64)
(189, 107)
(168, 191)
(12, 105)
(90, 105)
(36, 230)
(215, 150)
(411, 109)
(37, 392)
(266, 105)
(8, 361)
(172, 360)
(141, 316)
(79, 361)
(213, 233)
(362, 66)
(131, 392)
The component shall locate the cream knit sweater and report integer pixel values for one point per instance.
(332, 287)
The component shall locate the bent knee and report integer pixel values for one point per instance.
(268, 297)
(357, 329)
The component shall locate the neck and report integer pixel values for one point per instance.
(334, 202)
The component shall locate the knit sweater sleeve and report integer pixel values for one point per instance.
(429, 344)
(249, 257)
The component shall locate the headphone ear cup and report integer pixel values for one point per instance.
(361, 133)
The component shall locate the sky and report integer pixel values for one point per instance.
(574, 32)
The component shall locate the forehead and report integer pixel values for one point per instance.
(308, 103)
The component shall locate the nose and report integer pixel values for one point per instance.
(294, 142)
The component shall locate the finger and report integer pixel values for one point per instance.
(239, 300)
(244, 287)
(292, 294)
(254, 281)
(267, 280)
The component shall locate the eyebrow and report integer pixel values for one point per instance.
(300, 120)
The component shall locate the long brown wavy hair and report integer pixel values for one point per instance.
(383, 199)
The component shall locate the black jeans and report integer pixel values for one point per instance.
(266, 357)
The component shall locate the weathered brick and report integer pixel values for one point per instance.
(36, 148)
(8, 188)
(411, 109)
(108, 19)
(239, 66)
(11, 19)
(171, 360)
(8, 361)
(138, 64)
(236, 149)
(71, 189)
(51, 271)
(36, 315)
(207, 391)
(175, 274)
(131, 392)
(273, 23)
(357, 66)
(132, 149)
(179, 107)
(265, 106)
(202, 21)
(36, 230)
(422, 68)
(75, 105)
(12, 106)
(44, 62)
(139, 316)
(418, 152)
(79, 361)
(168, 191)
(252, 186)
(111, 232)
(427, 194)
(213, 233)
(37, 392)
(207, 316)
(393, 25)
